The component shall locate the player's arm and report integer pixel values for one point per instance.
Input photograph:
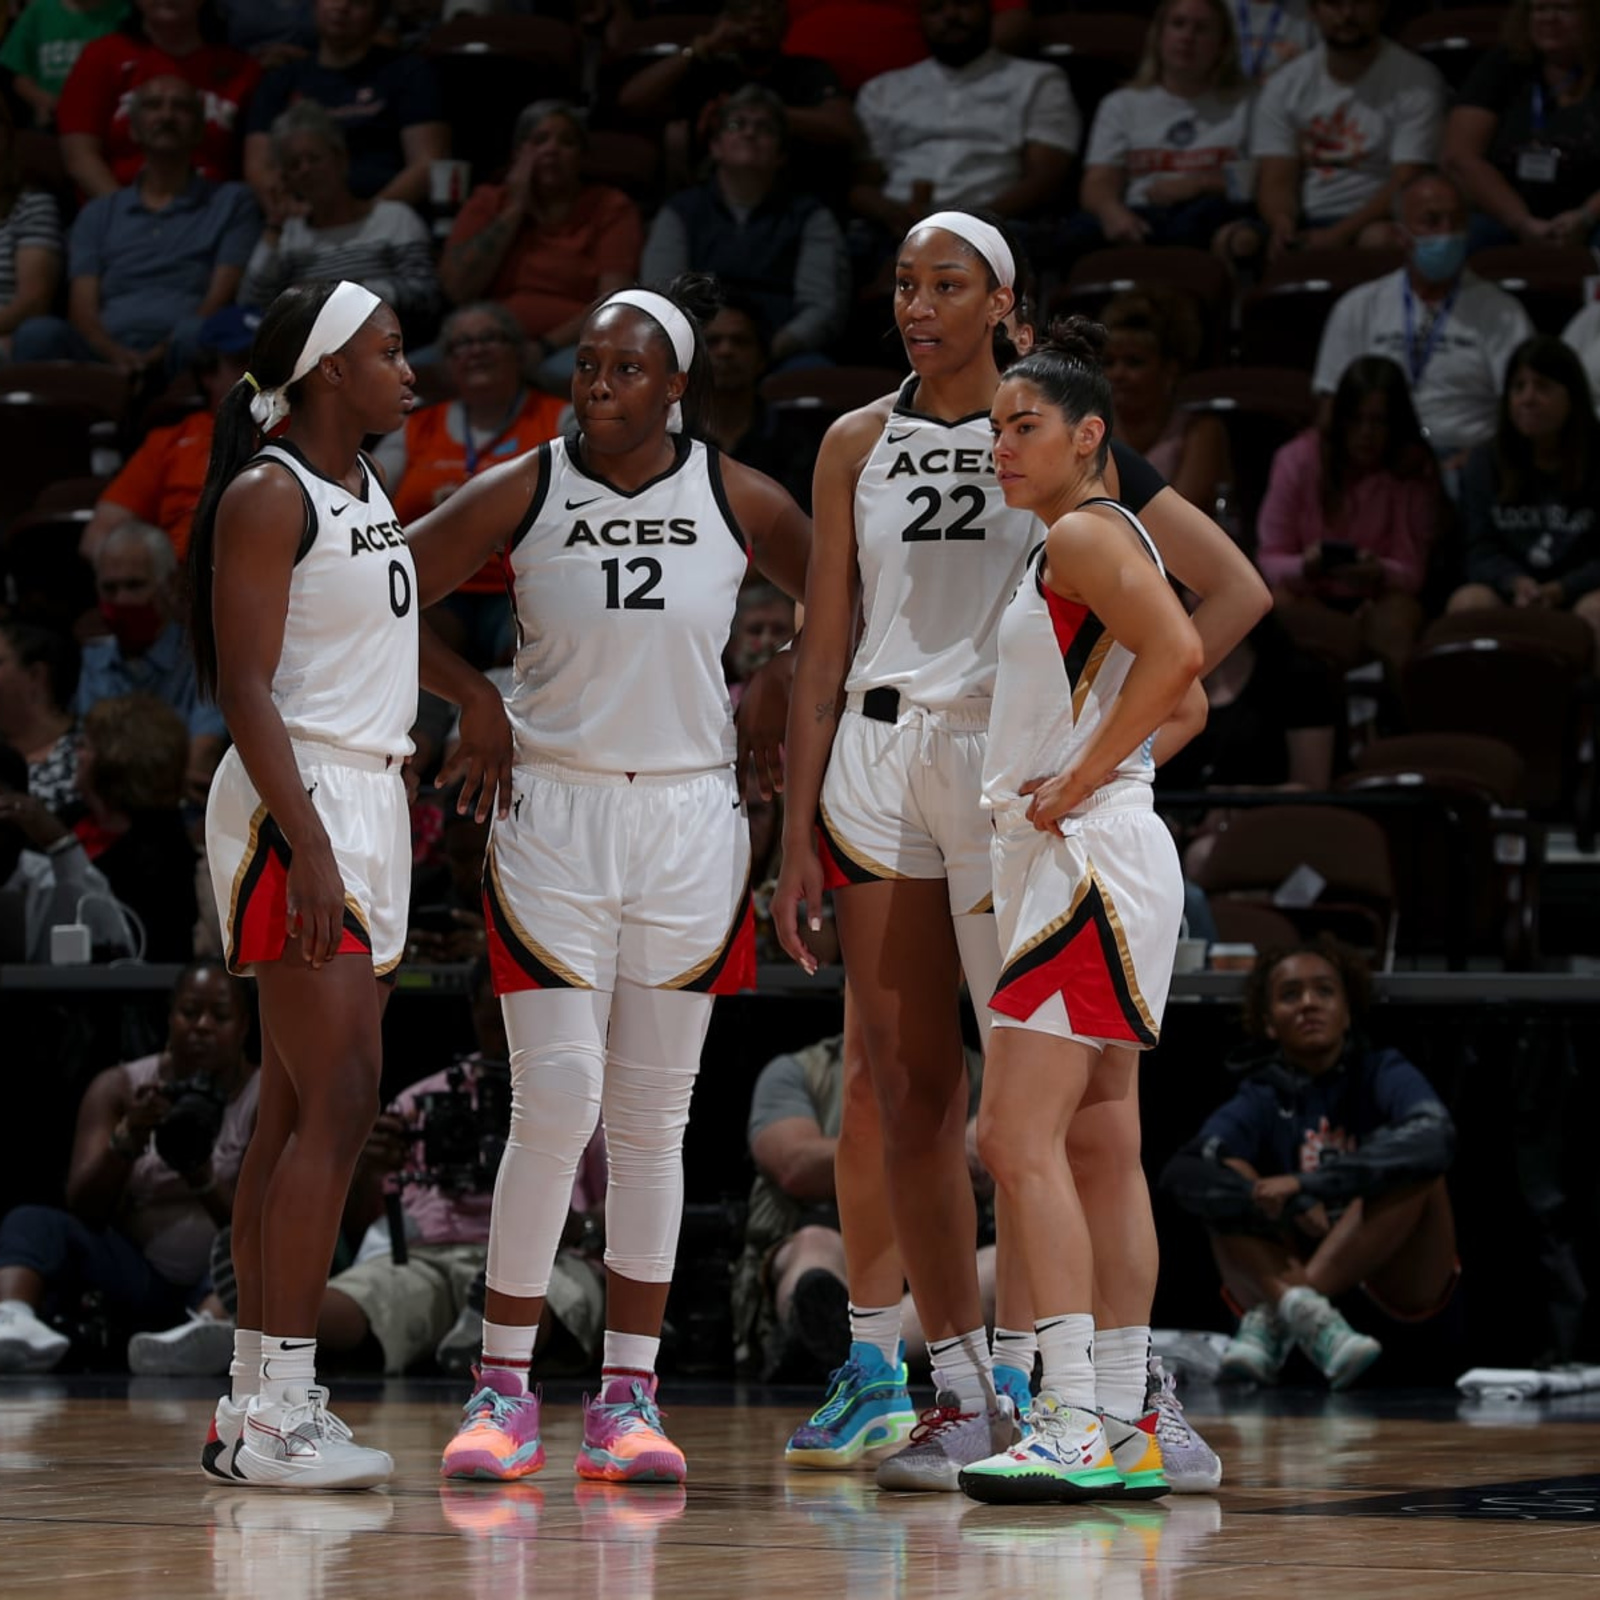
(777, 531)
(1127, 591)
(823, 654)
(482, 755)
(453, 540)
(260, 520)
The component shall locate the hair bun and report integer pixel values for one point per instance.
(1077, 338)
(697, 294)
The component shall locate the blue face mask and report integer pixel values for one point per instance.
(1439, 256)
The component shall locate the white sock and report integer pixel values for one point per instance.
(1122, 1371)
(1016, 1348)
(244, 1371)
(508, 1349)
(1066, 1344)
(878, 1326)
(286, 1364)
(627, 1357)
(963, 1365)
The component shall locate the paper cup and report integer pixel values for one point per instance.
(1232, 957)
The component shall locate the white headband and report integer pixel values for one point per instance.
(673, 323)
(986, 239)
(341, 316)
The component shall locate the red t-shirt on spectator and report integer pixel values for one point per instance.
(861, 38)
(97, 93)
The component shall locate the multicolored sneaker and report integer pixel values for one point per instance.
(1062, 1457)
(1338, 1352)
(1257, 1352)
(297, 1443)
(222, 1443)
(1137, 1453)
(623, 1441)
(498, 1436)
(867, 1413)
(945, 1440)
(1192, 1466)
(1013, 1384)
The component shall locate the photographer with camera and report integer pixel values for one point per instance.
(436, 1151)
(154, 1161)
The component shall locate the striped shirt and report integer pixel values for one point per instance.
(388, 251)
(32, 225)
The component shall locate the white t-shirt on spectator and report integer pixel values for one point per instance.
(1348, 137)
(1583, 334)
(1153, 133)
(1457, 394)
(962, 129)
(1271, 34)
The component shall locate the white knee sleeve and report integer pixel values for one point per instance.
(656, 1037)
(978, 940)
(557, 1039)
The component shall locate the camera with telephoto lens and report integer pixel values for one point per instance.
(461, 1129)
(185, 1136)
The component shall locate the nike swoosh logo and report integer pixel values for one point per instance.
(305, 1344)
(338, 511)
(578, 505)
(895, 438)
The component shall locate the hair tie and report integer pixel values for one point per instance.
(253, 381)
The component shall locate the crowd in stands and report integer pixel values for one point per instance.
(168, 166)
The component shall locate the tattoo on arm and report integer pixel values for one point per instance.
(824, 711)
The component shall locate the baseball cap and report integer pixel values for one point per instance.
(230, 331)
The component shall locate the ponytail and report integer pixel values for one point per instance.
(285, 326)
(1065, 367)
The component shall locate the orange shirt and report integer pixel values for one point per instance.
(437, 465)
(162, 479)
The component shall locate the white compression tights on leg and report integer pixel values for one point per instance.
(558, 1044)
(978, 941)
(654, 1054)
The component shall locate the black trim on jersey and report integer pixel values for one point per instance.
(904, 408)
(719, 493)
(681, 446)
(1140, 532)
(535, 506)
(1091, 912)
(333, 483)
(308, 534)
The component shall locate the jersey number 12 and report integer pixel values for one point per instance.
(642, 596)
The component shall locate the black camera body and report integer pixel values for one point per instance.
(185, 1137)
(462, 1129)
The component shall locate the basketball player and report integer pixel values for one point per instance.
(305, 626)
(1096, 656)
(617, 891)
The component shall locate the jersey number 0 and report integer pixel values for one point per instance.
(967, 497)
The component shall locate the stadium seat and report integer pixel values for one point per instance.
(1454, 40)
(1260, 848)
(829, 390)
(1546, 279)
(1281, 321)
(1099, 51)
(1102, 274)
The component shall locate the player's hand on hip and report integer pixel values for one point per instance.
(1053, 798)
(482, 757)
(799, 882)
(316, 904)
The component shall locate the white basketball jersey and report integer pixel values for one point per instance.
(624, 603)
(347, 674)
(940, 553)
(1059, 671)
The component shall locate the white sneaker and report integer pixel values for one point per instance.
(299, 1444)
(201, 1347)
(218, 1453)
(26, 1343)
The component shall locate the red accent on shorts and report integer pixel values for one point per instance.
(1079, 972)
(739, 969)
(261, 922)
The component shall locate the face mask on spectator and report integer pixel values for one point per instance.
(1439, 256)
(136, 627)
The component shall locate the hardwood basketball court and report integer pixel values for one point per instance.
(1327, 1496)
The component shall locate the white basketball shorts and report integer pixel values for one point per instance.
(901, 798)
(596, 876)
(1088, 921)
(361, 800)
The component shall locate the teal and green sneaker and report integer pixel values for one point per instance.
(867, 1414)
(1062, 1457)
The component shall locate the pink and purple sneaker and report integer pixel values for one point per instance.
(623, 1439)
(499, 1433)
